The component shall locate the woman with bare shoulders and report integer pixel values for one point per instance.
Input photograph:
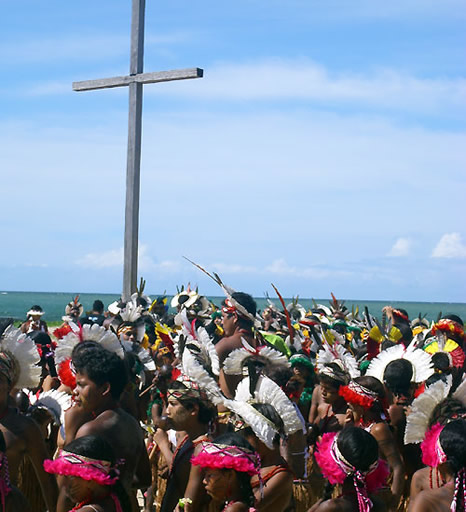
(365, 397)
(447, 449)
(350, 458)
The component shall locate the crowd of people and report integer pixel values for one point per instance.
(208, 408)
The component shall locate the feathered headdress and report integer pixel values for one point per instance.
(107, 339)
(19, 358)
(237, 359)
(420, 361)
(337, 354)
(417, 421)
(449, 347)
(335, 468)
(265, 392)
(74, 309)
(56, 402)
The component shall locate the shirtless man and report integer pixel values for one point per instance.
(100, 379)
(328, 408)
(22, 436)
(189, 413)
(238, 314)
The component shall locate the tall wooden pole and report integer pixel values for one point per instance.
(133, 164)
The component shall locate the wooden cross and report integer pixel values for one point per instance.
(135, 80)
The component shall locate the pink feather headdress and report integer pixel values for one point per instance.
(432, 453)
(220, 456)
(71, 464)
(335, 468)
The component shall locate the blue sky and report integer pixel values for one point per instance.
(322, 151)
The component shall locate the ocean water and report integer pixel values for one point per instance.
(16, 304)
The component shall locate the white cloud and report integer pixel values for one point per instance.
(308, 81)
(106, 259)
(303, 79)
(402, 247)
(114, 258)
(450, 246)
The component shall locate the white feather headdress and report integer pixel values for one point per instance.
(56, 402)
(94, 332)
(420, 361)
(417, 421)
(266, 392)
(234, 363)
(331, 354)
(193, 369)
(25, 357)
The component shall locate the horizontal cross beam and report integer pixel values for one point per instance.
(142, 78)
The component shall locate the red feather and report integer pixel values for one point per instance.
(287, 314)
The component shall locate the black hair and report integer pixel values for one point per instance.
(269, 412)
(376, 386)
(101, 366)
(397, 376)
(2, 443)
(453, 317)
(96, 447)
(40, 337)
(249, 304)
(98, 306)
(279, 374)
(206, 412)
(358, 447)
(340, 376)
(446, 410)
(441, 362)
(435, 377)
(453, 442)
(244, 479)
(406, 332)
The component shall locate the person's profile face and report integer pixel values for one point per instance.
(329, 393)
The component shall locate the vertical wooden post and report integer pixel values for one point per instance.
(133, 164)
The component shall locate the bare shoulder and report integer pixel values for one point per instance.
(110, 420)
(431, 500)
(381, 431)
(336, 505)
(227, 344)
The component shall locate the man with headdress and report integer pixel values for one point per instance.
(100, 379)
(22, 435)
(34, 320)
(189, 412)
(238, 314)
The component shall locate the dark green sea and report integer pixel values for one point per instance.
(16, 304)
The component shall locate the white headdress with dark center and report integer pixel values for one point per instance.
(199, 342)
(107, 339)
(337, 354)
(19, 359)
(56, 402)
(420, 361)
(236, 360)
(266, 392)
